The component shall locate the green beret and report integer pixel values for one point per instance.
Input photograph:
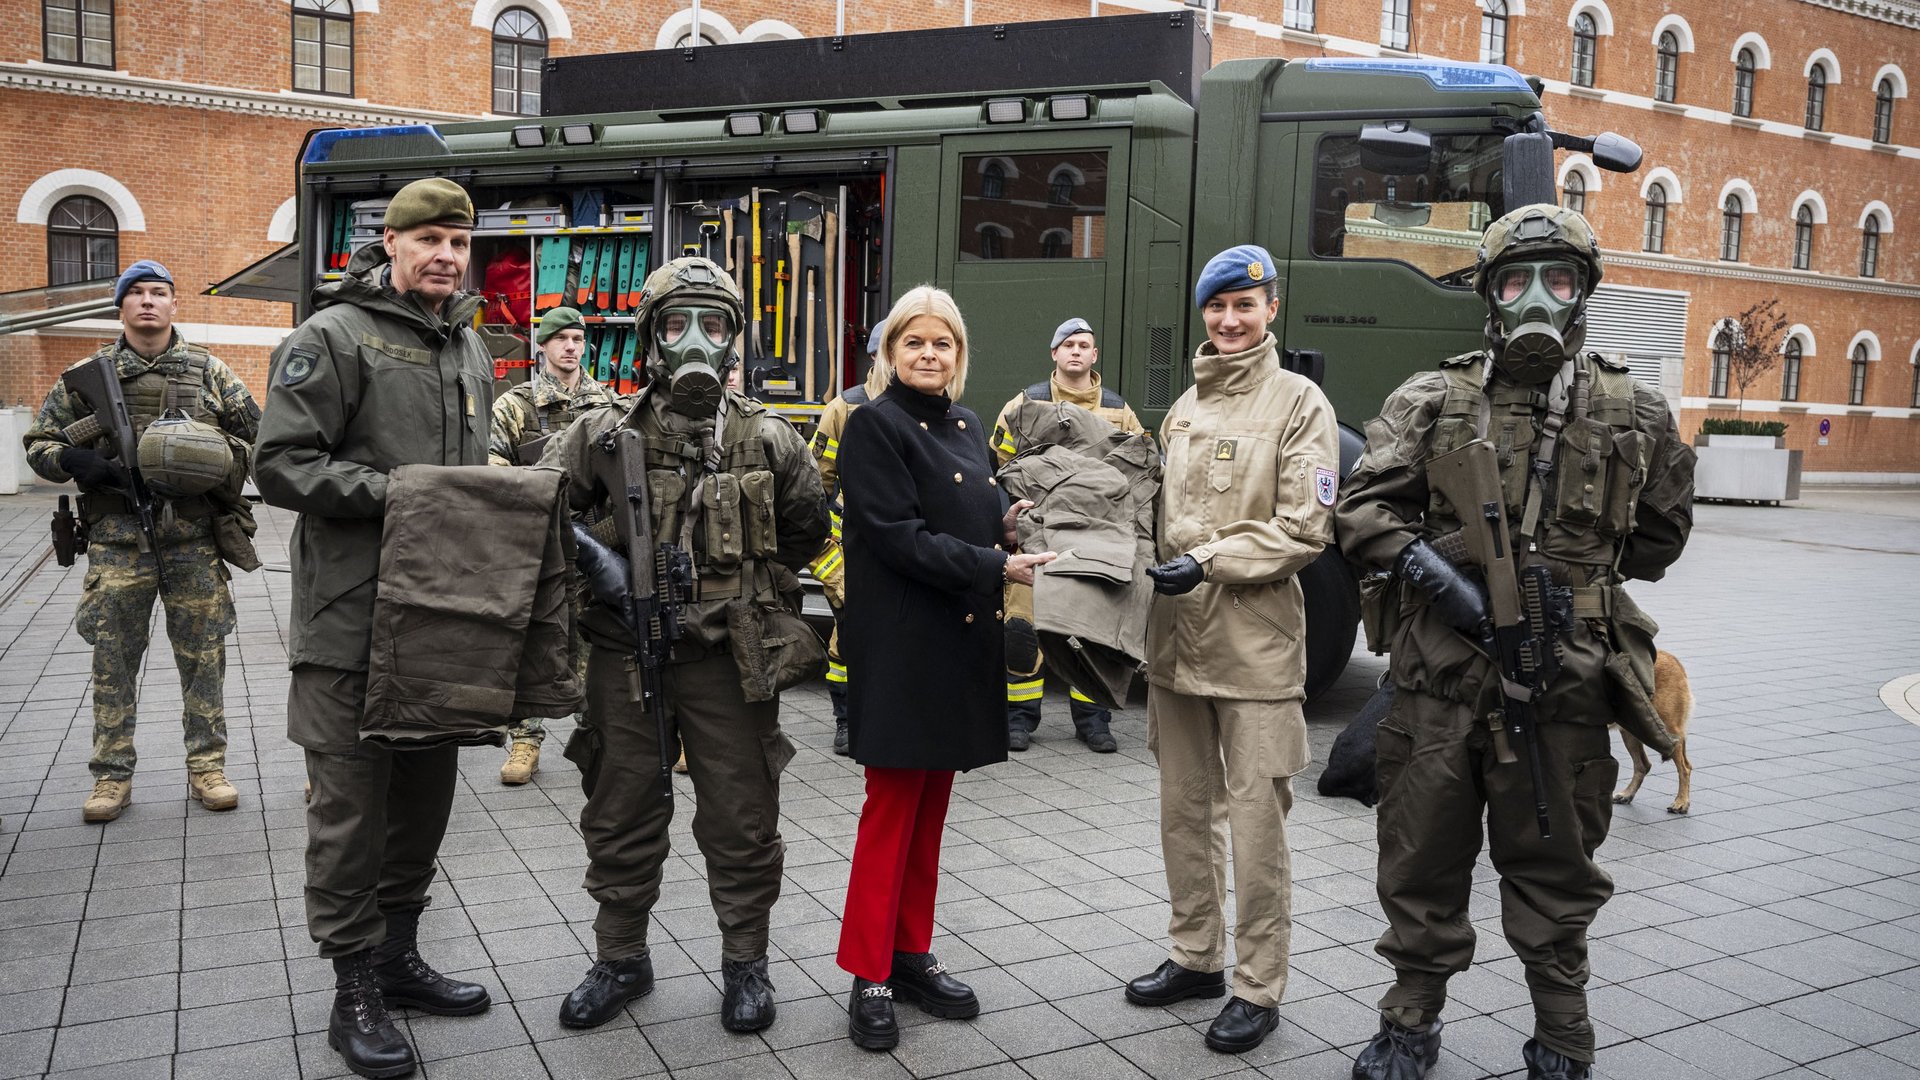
(433, 201)
(554, 321)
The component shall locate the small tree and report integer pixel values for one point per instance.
(1753, 343)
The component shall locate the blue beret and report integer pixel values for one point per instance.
(144, 270)
(877, 338)
(1075, 325)
(1242, 267)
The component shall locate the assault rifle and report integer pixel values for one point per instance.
(1528, 612)
(650, 586)
(97, 382)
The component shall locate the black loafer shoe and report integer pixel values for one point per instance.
(1018, 738)
(870, 1022)
(919, 979)
(609, 985)
(748, 1004)
(1545, 1064)
(1241, 1026)
(1170, 982)
(1399, 1054)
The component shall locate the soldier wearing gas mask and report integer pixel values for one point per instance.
(732, 484)
(1598, 488)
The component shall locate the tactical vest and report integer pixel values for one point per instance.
(176, 380)
(725, 520)
(855, 396)
(1112, 405)
(1589, 495)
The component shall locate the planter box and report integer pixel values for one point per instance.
(1747, 468)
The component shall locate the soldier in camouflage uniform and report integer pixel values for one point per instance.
(155, 365)
(523, 419)
(1598, 489)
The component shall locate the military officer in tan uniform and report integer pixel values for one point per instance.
(1247, 499)
(1074, 380)
(1598, 489)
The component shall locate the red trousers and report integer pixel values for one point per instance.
(896, 870)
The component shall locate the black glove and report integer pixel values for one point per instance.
(604, 569)
(1460, 601)
(1181, 575)
(90, 470)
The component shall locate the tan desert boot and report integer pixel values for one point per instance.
(523, 760)
(212, 789)
(108, 799)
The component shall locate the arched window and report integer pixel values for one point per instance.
(1586, 43)
(83, 241)
(1717, 377)
(1883, 111)
(1816, 98)
(1743, 83)
(993, 181)
(1493, 32)
(1654, 236)
(1396, 23)
(1870, 248)
(519, 48)
(687, 40)
(1299, 15)
(1857, 385)
(1055, 244)
(323, 46)
(1666, 76)
(1803, 237)
(1574, 193)
(1061, 188)
(1730, 222)
(1914, 402)
(993, 242)
(1790, 371)
(77, 32)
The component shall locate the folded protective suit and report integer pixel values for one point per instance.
(472, 628)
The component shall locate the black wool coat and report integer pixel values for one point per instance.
(922, 630)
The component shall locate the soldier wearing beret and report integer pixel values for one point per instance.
(1252, 458)
(524, 419)
(155, 366)
(388, 371)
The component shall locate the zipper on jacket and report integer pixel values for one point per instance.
(1261, 615)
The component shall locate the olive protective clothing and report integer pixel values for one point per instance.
(1247, 490)
(1616, 505)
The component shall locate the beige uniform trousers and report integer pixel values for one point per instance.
(1227, 765)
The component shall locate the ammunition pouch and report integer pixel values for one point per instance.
(1629, 669)
(233, 531)
(773, 646)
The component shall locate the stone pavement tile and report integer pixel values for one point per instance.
(222, 985)
(153, 1068)
(240, 1022)
(274, 1057)
(1814, 911)
(1663, 948)
(808, 1022)
(43, 972)
(1690, 996)
(1330, 1064)
(38, 940)
(1643, 1059)
(1721, 1053)
(38, 1009)
(1061, 976)
(506, 1063)
(1483, 989)
(1829, 961)
(1884, 996)
(41, 910)
(1779, 1033)
(25, 1053)
(45, 883)
(1109, 1015)
(840, 1060)
(1836, 1015)
(1341, 1020)
(930, 1047)
(683, 1044)
(1743, 931)
(1860, 1064)
(122, 997)
(1175, 1053)
(1635, 1014)
(82, 1046)
(1344, 967)
(1031, 1030)
(1900, 938)
(1750, 981)
(112, 876)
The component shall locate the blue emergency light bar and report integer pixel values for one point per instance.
(1441, 74)
(339, 143)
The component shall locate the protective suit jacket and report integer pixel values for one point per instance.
(1252, 464)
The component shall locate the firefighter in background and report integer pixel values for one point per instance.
(830, 568)
(1074, 381)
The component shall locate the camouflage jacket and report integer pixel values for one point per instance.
(522, 408)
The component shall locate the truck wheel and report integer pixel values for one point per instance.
(1333, 616)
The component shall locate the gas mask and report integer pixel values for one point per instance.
(695, 343)
(1538, 317)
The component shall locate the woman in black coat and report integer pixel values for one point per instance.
(922, 635)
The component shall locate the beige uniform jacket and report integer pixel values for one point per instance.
(1091, 399)
(1248, 490)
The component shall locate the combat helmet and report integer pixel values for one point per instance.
(181, 457)
(1538, 230)
(694, 362)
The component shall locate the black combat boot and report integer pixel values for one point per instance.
(837, 693)
(361, 1028)
(1023, 718)
(870, 1022)
(609, 985)
(1399, 1054)
(406, 980)
(1242, 1026)
(748, 1001)
(920, 979)
(1170, 982)
(1545, 1064)
(1090, 725)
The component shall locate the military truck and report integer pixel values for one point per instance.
(1037, 171)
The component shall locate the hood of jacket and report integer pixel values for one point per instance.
(368, 284)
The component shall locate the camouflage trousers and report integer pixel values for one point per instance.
(115, 616)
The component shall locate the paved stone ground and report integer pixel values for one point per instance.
(1775, 932)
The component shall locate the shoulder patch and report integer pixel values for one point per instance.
(299, 365)
(1325, 485)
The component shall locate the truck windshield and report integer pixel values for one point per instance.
(1430, 220)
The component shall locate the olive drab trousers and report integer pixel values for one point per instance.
(1228, 765)
(1438, 774)
(735, 754)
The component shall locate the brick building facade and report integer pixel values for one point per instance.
(1782, 151)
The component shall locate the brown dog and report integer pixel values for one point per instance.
(1673, 700)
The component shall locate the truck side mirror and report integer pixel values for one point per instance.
(1526, 169)
(1615, 153)
(1395, 149)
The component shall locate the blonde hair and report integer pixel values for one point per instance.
(927, 300)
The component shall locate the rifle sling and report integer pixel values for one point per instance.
(1543, 461)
